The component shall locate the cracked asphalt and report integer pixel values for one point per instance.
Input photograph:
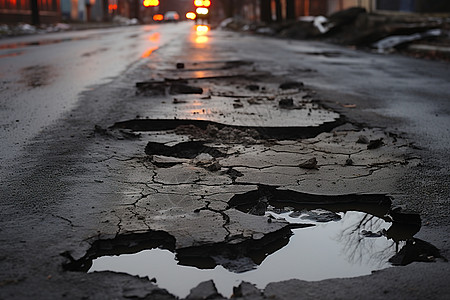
(109, 174)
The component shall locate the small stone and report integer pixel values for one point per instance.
(178, 101)
(362, 139)
(205, 290)
(291, 85)
(284, 103)
(309, 164)
(252, 87)
(246, 289)
(374, 144)
(253, 101)
(349, 162)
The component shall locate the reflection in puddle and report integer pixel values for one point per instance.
(11, 54)
(149, 51)
(351, 245)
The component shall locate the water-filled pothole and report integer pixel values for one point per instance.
(328, 237)
(330, 250)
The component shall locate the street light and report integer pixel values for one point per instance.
(202, 3)
(149, 3)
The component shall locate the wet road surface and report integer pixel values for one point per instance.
(42, 75)
(86, 188)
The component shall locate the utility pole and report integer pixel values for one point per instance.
(266, 12)
(290, 9)
(35, 13)
(278, 11)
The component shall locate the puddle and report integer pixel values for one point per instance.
(327, 237)
(44, 42)
(332, 249)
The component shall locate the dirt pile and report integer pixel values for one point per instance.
(414, 34)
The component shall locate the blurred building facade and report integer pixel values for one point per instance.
(15, 11)
(280, 10)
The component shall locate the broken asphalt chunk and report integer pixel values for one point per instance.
(252, 87)
(322, 216)
(374, 144)
(179, 88)
(247, 290)
(416, 250)
(362, 139)
(166, 87)
(291, 85)
(286, 103)
(309, 164)
(182, 150)
(205, 290)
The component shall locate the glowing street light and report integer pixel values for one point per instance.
(191, 15)
(202, 11)
(148, 3)
(202, 3)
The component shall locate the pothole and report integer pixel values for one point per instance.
(196, 126)
(326, 237)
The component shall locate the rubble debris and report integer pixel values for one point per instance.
(238, 105)
(309, 164)
(362, 139)
(233, 174)
(321, 216)
(252, 87)
(162, 161)
(403, 216)
(253, 101)
(126, 243)
(150, 88)
(205, 290)
(247, 291)
(179, 88)
(416, 250)
(208, 162)
(178, 101)
(259, 209)
(291, 85)
(286, 103)
(356, 27)
(371, 234)
(348, 162)
(119, 134)
(237, 257)
(297, 201)
(345, 17)
(374, 144)
(182, 150)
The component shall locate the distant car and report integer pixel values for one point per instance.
(171, 16)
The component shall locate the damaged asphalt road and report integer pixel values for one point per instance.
(202, 161)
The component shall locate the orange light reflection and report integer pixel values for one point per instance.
(202, 29)
(148, 52)
(154, 37)
(201, 39)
